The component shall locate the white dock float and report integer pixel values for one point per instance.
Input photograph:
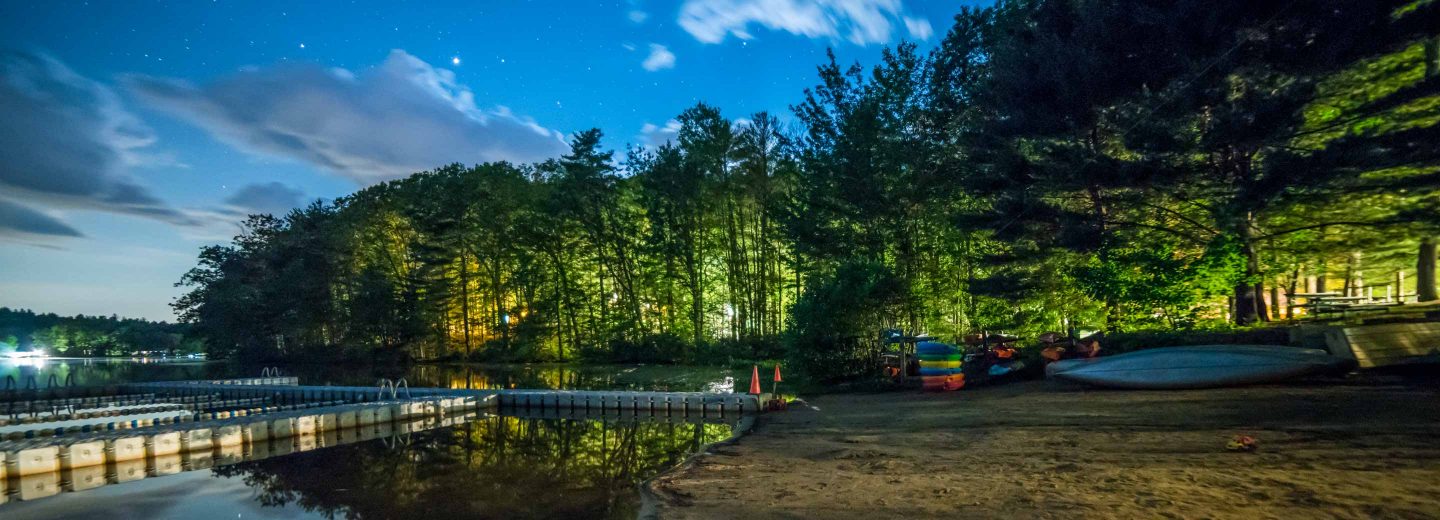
(347, 419)
(653, 402)
(228, 435)
(256, 431)
(33, 461)
(196, 440)
(282, 427)
(161, 444)
(121, 448)
(143, 430)
(82, 454)
(326, 421)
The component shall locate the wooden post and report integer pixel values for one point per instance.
(1400, 286)
(1425, 272)
(1275, 298)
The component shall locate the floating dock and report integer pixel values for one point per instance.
(78, 438)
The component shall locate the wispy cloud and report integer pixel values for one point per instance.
(18, 221)
(660, 58)
(919, 28)
(652, 135)
(860, 22)
(638, 16)
(400, 117)
(67, 144)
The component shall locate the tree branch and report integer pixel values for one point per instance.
(1377, 223)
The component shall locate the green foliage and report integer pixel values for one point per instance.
(92, 336)
(1121, 165)
(1121, 342)
(1157, 286)
(838, 316)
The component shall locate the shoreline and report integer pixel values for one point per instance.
(1361, 447)
(651, 501)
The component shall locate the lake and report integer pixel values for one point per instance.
(486, 466)
(84, 372)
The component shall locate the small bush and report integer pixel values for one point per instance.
(837, 316)
(1121, 342)
(664, 348)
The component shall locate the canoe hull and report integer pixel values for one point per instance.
(1197, 367)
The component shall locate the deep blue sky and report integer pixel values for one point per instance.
(135, 132)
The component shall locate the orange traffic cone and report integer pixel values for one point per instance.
(775, 386)
(777, 373)
(755, 380)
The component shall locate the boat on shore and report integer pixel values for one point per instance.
(1205, 366)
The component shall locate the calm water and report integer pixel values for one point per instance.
(488, 467)
(59, 371)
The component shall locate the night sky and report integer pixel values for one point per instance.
(133, 133)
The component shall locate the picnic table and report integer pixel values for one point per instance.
(1336, 303)
(1328, 302)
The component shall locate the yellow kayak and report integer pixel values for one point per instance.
(939, 364)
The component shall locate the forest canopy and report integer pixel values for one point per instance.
(91, 336)
(1105, 165)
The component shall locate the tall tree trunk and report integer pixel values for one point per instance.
(502, 319)
(1425, 264)
(695, 274)
(1348, 288)
(1249, 293)
(1290, 294)
(1275, 299)
(1262, 310)
(1425, 272)
(1097, 202)
(465, 298)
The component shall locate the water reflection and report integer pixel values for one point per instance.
(46, 372)
(483, 467)
(83, 372)
(495, 467)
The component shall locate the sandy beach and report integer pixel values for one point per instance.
(1362, 447)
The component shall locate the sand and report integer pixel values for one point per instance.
(1363, 447)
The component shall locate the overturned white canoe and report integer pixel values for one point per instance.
(1197, 367)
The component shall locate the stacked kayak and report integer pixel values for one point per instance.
(940, 366)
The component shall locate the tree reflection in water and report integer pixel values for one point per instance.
(85, 372)
(494, 467)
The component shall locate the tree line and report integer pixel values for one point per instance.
(23, 330)
(1109, 165)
